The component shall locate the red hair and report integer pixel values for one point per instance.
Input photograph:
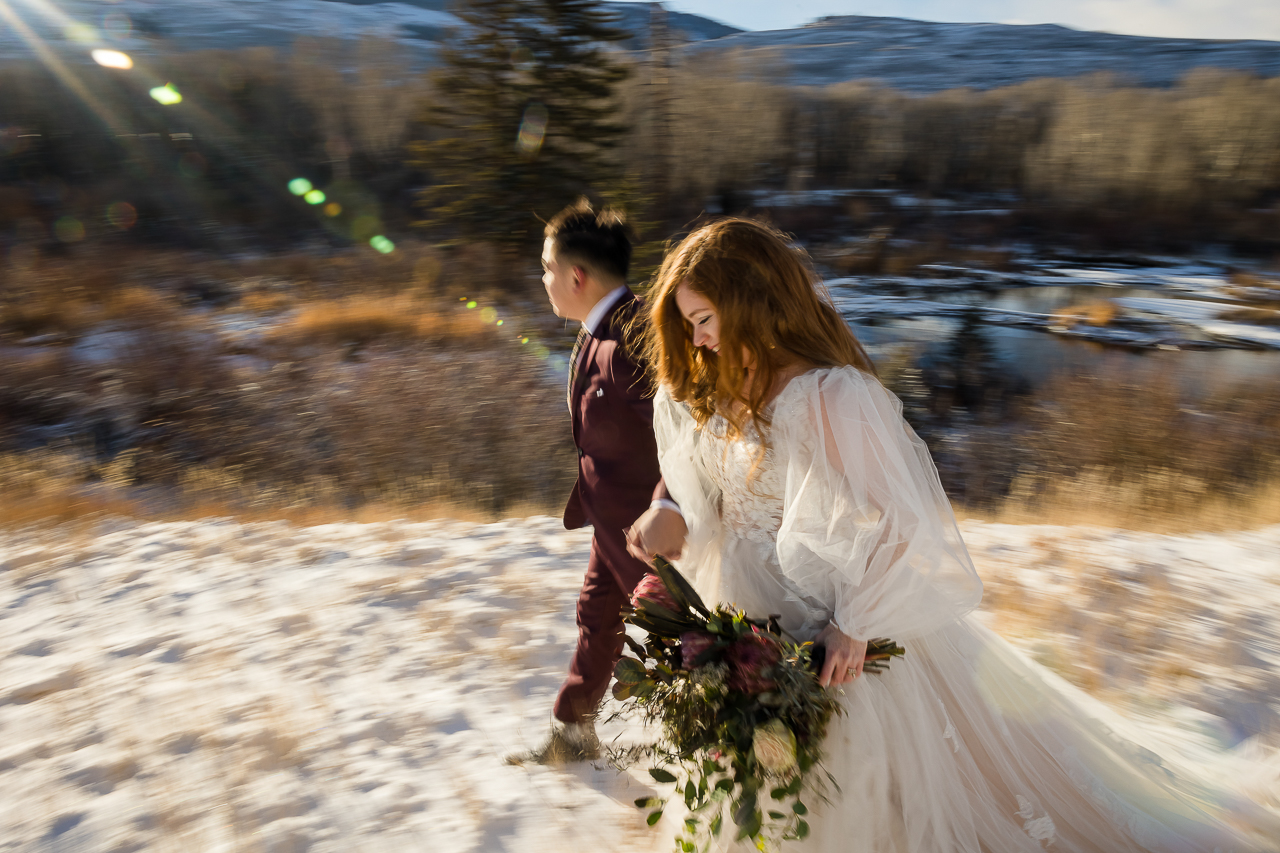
(771, 306)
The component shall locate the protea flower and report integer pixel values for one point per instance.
(651, 589)
(748, 658)
(692, 644)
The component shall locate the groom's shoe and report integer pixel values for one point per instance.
(568, 742)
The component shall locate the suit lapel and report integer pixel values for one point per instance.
(605, 331)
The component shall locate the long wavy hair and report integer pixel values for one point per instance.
(773, 309)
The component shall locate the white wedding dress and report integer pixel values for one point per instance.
(964, 746)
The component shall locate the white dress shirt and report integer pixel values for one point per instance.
(601, 309)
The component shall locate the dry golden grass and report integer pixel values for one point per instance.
(1256, 316)
(1101, 312)
(266, 302)
(48, 314)
(1248, 279)
(361, 320)
(1159, 503)
(137, 305)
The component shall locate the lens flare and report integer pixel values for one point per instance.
(112, 59)
(68, 229)
(314, 197)
(365, 227)
(382, 244)
(332, 209)
(488, 315)
(117, 25)
(299, 186)
(472, 304)
(166, 95)
(533, 130)
(83, 33)
(122, 215)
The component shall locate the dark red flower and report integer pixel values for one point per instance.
(692, 644)
(748, 658)
(652, 589)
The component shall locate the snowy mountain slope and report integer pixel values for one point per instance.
(914, 55)
(146, 26)
(924, 56)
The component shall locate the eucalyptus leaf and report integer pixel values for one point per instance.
(660, 775)
(654, 817)
(802, 830)
(630, 671)
(744, 808)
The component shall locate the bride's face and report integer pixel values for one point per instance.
(702, 316)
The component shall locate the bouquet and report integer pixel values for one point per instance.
(741, 713)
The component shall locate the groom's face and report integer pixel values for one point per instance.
(564, 284)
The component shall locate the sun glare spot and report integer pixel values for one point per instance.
(299, 186)
(122, 215)
(112, 59)
(472, 304)
(82, 33)
(68, 229)
(533, 130)
(382, 244)
(314, 197)
(166, 95)
(332, 209)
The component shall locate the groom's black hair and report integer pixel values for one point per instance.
(600, 240)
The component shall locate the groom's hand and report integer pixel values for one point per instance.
(659, 531)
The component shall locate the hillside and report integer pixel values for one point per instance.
(917, 56)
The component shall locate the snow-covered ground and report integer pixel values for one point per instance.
(213, 685)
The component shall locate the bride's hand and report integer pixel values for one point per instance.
(659, 531)
(845, 656)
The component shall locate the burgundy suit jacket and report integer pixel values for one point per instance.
(612, 408)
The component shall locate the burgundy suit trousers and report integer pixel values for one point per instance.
(612, 575)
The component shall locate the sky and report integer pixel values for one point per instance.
(1217, 19)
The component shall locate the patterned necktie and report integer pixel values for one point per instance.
(583, 334)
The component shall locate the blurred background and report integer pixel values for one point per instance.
(281, 259)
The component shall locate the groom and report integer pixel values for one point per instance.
(585, 259)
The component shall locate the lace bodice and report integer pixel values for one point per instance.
(751, 501)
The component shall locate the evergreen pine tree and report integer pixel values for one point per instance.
(525, 117)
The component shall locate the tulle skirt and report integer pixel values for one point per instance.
(966, 745)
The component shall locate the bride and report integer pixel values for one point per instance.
(806, 494)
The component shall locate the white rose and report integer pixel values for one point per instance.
(774, 746)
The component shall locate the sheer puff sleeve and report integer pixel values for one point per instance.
(866, 526)
(689, 486)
